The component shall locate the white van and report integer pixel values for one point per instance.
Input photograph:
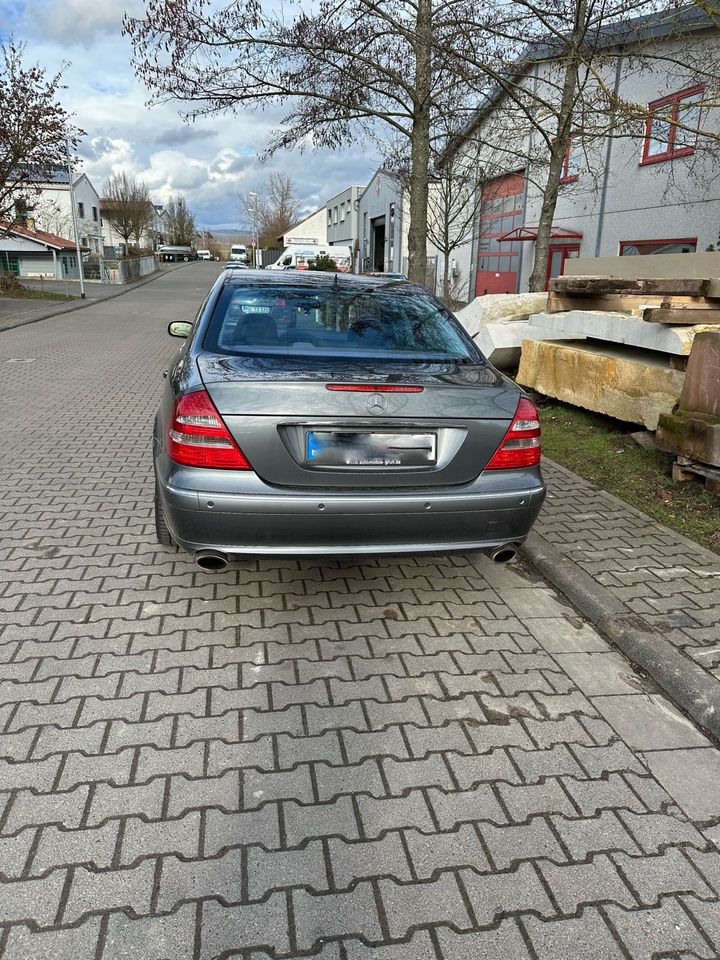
(298, 256)
(204, 255)
(238, 251)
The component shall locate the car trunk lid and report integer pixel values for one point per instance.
(441, 422)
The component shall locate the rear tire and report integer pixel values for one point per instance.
(161, 531)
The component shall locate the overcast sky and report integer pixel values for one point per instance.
(211, 161)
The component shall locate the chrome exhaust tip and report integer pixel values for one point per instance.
(503, 554)
(212, 561)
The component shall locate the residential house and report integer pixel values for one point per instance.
(636, 193)
(50, 210)
(160, 226)
(342, 217)
(28, 253)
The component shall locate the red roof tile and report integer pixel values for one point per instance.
(51, 239)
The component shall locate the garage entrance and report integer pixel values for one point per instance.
(377, 251)
(501, 210)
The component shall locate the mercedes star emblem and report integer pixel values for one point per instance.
(376, 404)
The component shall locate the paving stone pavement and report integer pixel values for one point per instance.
(426, 758)
(670, 582)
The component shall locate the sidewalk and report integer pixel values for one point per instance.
(16, 313)
(653, 592)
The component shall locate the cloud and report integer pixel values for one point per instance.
(77, 22)
(176, 136)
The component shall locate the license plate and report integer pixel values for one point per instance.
(352, 449)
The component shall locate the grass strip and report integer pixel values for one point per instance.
(27, 294)
(601, 450)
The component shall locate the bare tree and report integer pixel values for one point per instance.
(34, 130)
(181, 223)
(126, 206)
(273, 210)
(143, 217)
(348, 70)
(453, 207)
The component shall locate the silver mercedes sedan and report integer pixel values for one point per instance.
(316, 413)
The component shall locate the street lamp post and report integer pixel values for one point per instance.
(254, 227)
(75, 223)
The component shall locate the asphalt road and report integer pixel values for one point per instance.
(358, 759)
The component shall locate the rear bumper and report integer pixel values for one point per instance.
(497, 508)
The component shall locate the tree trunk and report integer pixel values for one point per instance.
(557, 154)
(420, 146)
(446, 280)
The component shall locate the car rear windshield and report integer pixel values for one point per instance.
(384, 321)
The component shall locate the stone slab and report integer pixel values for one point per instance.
(690, 435)
(702, 264)
(561, 635)
(599, 674)
(701, 390)
(691, 777)
(613, 327)
(649, 722)
(499, 323)
(501, 343)
(631, 385)
(499, 308)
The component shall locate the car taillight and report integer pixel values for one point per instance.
(198, 437)
(520, 447)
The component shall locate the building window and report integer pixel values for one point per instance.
(635, 248)
(329, 217)
(95, 214)
(664, 139)
(335, 215)
(571, 162)
(81, 210)
(342, 213)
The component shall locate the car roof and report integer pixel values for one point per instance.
(310, 279)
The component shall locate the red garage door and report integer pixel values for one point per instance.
(500, 212)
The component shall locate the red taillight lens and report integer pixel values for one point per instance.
(198, 437)
(520, 446)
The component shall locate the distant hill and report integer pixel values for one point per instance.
(242, 236)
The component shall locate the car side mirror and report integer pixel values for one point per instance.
(180, 328)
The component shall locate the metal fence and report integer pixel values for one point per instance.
(269, 255)
(125, 271)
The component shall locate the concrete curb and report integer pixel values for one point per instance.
(92, 302)
(689, 686)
